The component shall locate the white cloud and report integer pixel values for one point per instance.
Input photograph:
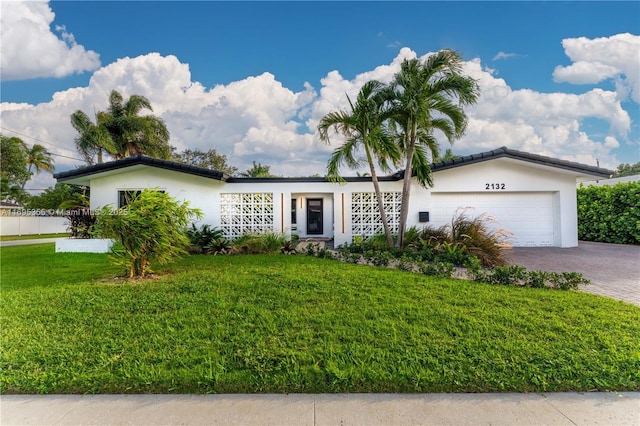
(258, 119)
(503, 55)
(30, 49)
(594, 60)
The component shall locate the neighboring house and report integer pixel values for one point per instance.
(532, 196)
(612, 181)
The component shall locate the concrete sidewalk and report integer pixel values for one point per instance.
(27, 242)
(341, 409)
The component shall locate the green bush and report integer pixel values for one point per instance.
(151, 228)
(203, 237)
(254, 243)
(519, 276)
(609, 214)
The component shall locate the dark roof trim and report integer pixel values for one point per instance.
(392, 178)
(505, 152)
(140, 160)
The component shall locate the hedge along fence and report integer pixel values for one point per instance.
(609, 214)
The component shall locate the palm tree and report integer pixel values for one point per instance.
(134, 134)
(39, 158)
(93, 139)
(258, 170)
(364, 129)
(425, 97)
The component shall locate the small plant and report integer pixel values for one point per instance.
(151, 228)
(438, 269)
(515, 275)
(81, 223)
(202, 238)
(289, 247)
(479, 239)
(218, 246)
(254, 243)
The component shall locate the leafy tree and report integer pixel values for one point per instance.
(39, 159)
(363, 129)
(448, 155)
(62, 196)
(627, 170)
(150, 229)
(13, 159)
(258, 170)
(121, 131)
(13, 166)
(426, 97)
(208, 160)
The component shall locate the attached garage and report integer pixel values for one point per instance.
(528, 216)
(531, 196)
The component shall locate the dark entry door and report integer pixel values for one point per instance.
(314, 216)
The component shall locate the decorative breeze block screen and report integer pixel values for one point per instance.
(246, 212)
(365, 216)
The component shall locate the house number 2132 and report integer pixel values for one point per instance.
(488, 186)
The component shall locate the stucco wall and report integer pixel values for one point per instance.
(204, 193)
(519, 177)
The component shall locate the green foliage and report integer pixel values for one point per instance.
(204, 237)
(256, 243)
(150, 229)
(364, 129)
(627, 170)
(609, 214)
(519, 276)
(13, 168)
(477, 238)
(258, 170)
(81, 223)
(207, 160)
(121, 131)
(284, 324)
(62, 196)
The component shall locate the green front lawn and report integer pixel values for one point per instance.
(274, 323)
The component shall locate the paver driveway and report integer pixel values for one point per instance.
(614, 269)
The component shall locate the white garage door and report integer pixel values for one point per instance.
(527, 215)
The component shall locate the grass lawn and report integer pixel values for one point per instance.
(31, 236)
(275, 323)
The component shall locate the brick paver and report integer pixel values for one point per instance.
(614, 269)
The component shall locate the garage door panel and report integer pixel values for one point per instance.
(528, 216)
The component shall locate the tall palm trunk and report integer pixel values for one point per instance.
(406, 182)
(376, 187)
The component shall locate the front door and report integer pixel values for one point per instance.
(314, 216)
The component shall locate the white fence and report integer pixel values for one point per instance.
(32, 225)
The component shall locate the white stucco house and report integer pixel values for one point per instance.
(532, 196)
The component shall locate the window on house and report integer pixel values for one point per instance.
(294, 215)
(125, 197)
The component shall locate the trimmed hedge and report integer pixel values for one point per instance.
(609, 214)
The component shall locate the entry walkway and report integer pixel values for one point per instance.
(300, 409)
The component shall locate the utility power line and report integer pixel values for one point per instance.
(41, 141)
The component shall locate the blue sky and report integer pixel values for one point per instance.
(514, 48)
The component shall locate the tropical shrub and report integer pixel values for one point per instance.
(256, 243)
(479, 239)
(150, 229)
(81, 223)
(203, 237)
(519, 276)
(609, 214)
